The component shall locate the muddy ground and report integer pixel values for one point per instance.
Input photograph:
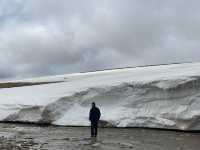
(32, 137)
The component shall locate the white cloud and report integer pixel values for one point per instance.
(54, 37)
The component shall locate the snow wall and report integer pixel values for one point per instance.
(166, 96)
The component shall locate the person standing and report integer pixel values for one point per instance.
(94, 117)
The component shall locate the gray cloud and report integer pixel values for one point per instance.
(55, 37)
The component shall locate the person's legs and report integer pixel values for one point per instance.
(96, 129)
(92, 130)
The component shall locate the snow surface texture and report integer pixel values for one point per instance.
(166, 96)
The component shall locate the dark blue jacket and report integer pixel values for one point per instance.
(95, 114)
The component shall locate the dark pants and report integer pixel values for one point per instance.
(94, 129)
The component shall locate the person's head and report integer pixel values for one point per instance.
(93, 104)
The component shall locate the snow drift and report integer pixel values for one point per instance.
(165, 96)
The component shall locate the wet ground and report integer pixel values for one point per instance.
(30, 137)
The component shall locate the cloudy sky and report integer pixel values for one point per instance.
(47, 37)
